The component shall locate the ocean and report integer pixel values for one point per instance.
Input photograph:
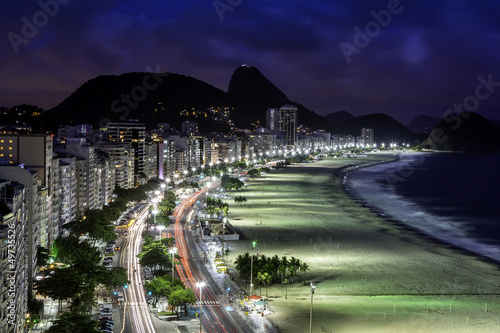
(452, 197)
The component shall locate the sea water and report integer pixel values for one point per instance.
(452, 197)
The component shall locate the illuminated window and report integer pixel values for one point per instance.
(2, 140)
(10, 155)
(10, 141)
(1, 155)
(10, 148)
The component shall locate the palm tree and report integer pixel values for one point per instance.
(275, 264)
(291, 273)
(304, 268)
(267, 279)
(242, 265)
(260, 281)
(283, 264)
(293, 267)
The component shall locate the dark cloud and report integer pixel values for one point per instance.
(428, 57)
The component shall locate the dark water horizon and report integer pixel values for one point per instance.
(451, 197)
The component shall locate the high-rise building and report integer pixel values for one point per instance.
(288, 124)
(151, 160)
(30, 180)
(68, 188)
(167, 149)
(134, 135)
(121, 159)
(273, 119)
(105, 180)
(368, 134)
(86, 165)
(34, 151)
(13, 257)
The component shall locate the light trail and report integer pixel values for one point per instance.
(214, 318)
(135, 298)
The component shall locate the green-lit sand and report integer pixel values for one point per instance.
(371, 275)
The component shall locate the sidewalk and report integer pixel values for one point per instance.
(232, 294)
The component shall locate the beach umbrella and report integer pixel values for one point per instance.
(260, 303)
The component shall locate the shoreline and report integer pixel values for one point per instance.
(401, 224)
(361, 263)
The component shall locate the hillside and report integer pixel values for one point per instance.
(149, 97)
(465, 132)
(387, 129)
(423, 124)
(172, 98)
(339, 117)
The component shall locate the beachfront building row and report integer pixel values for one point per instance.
(14, 281)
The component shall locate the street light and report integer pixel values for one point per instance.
(224, 220)
(200, 285)
(311, 315)
(154, 212)
(172, 251)
(254, 243)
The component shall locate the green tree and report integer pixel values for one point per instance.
(181, 297)
(70, 250)
(253, 173)
(43, 256)
(159, 288)
(263, 280)
(304, 268)
(156, 255)
(64, 283)
(116, 277)
(93, 224)
(242, 265)
(231, 184)
(285, 282)
(71, 322)
(239, 199)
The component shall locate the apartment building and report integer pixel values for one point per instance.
(13, 257)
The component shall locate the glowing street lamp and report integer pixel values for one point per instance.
(154, 212)
(173, 251)
(224, 220)
(311, 310)
(200, 285)
(254, 244)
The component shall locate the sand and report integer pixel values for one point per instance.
(371, 274)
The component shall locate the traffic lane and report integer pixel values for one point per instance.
(216, 319)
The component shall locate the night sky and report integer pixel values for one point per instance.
(422, 58)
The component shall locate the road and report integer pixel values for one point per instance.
(214, 317)
(135, 312)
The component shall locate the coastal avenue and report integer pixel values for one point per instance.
(135, 315)
(214, 317)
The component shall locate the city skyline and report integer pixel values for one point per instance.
(402, 58)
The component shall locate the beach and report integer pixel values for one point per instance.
(371, 274)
